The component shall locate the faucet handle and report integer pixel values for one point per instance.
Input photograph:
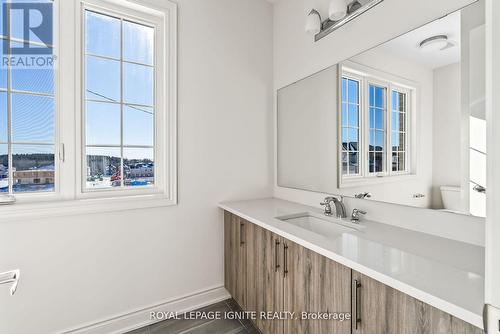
(363, 195)
(355, 215)
(328, 207)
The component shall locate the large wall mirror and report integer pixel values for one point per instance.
(403, 122)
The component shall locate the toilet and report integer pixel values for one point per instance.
(451, 198)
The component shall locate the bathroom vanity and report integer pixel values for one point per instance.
(398, 131)
(282, 256)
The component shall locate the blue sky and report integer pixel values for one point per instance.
(103, 77)
(350, 114)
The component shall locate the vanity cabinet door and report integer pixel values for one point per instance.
(253, 270)
(313, 283)
(264, 278)
(235, 257)
(384, 310)
(380, 309)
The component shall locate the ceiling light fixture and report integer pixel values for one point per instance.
(434, 43)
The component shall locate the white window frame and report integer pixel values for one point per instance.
(160, 140)
(69, 197)
(361, 134)
(56, 194)
(378, 82)
(408, 149)
(368, 76)
(165, 98)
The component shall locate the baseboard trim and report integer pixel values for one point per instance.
(140, 318)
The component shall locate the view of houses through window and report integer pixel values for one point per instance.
(119, 102)
(27, 106)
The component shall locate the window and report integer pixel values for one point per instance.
(27, 102)
(127, 95)
(374, 126)
(119, 102)
(98, 123)
(399, 131)
(350, 126)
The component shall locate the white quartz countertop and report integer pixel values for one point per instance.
(444, 273)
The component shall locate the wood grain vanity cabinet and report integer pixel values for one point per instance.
(235, 258)
(268, 273)
(381, 309)
(253, 268)
(315, 284)
(279, 275)
(264, 280)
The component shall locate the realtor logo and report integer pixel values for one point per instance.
(29, 21)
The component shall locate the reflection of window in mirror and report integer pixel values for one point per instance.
(398, 131)
(376, 128)
(350, 126)
(374, 125)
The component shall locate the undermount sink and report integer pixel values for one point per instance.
(325, 226)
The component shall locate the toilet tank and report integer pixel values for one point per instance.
(451, 198)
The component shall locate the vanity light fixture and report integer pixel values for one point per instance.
(340, 12)
(434, 43)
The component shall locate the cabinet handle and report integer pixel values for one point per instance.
(356, 316)
(285, 260)
(242, 239)
(276, 257)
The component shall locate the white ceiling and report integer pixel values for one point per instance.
(406, 46)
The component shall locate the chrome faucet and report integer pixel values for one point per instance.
(355, 215)
(340, 210)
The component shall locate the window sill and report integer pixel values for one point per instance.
(366, 181)
(60, 208)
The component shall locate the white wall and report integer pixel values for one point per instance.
(446, 131)
(79, 270)
(307, 138)
(296, 56)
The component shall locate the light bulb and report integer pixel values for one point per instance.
(337, 10)
(313, 22)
